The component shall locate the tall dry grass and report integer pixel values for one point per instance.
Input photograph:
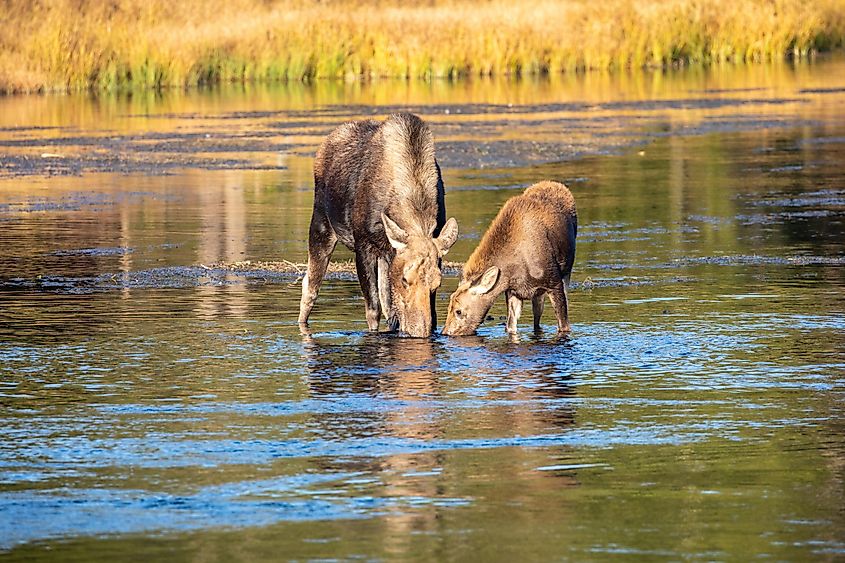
(112, 44)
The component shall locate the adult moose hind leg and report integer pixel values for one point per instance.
(321, 242)
(366, 264)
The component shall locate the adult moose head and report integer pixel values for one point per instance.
(378, 190)
(414, 274)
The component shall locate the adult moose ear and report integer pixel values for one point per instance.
(448, 236)
(488, 280)
(395, 234)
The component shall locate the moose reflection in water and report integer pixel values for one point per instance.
(396, 384)
(394, 390)
(378, 189)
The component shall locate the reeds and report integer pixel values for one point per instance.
(82, 44)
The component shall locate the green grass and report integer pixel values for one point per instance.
(61, 45)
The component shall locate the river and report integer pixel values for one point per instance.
(159, 404)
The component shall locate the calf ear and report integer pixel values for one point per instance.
(395, 234)
(448, 236)
(488, 280)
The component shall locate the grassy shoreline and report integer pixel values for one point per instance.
(72, 45)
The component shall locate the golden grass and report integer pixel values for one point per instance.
(80, 44)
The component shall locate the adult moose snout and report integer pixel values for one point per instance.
(414, 274)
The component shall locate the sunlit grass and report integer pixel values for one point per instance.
(79, 44)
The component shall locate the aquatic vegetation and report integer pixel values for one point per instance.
(80, 44)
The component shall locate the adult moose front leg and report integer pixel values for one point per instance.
(433, 305)
(384, 294)
(537, 303)
(366, 264)
(321, 243)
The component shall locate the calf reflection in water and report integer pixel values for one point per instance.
(527, 253)
(378, 189)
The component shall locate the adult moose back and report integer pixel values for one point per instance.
(378, 190)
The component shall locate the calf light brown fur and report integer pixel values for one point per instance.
(526, 253)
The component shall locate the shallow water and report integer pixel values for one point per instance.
(155, 405)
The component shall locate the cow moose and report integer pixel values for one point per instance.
(378, 190)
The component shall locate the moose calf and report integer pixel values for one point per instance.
(527, 252)
(378, 189)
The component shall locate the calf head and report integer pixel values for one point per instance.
(469, 304)
(414, 273)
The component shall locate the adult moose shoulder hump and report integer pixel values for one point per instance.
(378, 190)
(526, 253)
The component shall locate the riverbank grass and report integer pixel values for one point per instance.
(65, 45)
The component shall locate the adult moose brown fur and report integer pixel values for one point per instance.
(527, 252)
(378, 189)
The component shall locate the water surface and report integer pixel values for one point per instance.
(157, 405)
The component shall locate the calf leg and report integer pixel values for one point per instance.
(514, 310)
(560, 303)
(366, 264)
(321, 242)
(537, 303)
